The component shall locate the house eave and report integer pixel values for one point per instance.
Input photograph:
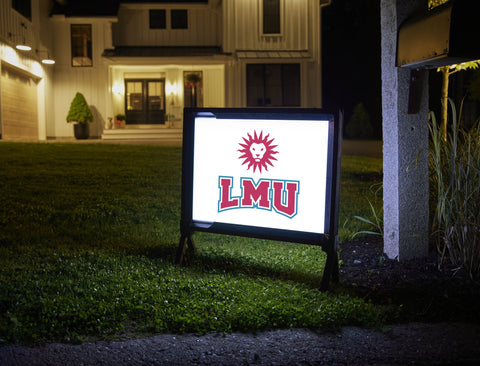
(272, 55)
(81, 19)
(163, 55)
(163, 61)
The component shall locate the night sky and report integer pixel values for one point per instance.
(351, 58)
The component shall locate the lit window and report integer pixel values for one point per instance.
(81, 44)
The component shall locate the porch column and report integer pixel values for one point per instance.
(405, 138)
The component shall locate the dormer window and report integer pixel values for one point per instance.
(158, 19)
(179, 19)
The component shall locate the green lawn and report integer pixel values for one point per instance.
(88, 234)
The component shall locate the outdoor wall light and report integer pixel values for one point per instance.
(20, 40)
(172, 91)
(23, 47)
(20, 45)
(47, 60)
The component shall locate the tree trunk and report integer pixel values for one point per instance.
(444, 98)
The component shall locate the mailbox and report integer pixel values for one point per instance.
(446, 35)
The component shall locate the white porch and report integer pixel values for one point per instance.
(144, 132)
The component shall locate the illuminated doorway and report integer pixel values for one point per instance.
(145, 101)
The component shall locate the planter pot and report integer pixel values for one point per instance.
(81, 131)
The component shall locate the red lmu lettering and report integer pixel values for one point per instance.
(281, 195)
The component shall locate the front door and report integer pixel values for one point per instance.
(145, 101)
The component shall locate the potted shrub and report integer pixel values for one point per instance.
(81, 115)
(120, 121)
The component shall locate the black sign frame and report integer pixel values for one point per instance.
(328, 240)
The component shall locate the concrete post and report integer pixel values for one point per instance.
(405, 144)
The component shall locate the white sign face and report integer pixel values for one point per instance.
(263, 173)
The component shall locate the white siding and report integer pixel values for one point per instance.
(133, 29)
(300, 31)
(214, 87)
(243, 32)
(92, 81)
(37, 34)
(36, 31)
(11, 29)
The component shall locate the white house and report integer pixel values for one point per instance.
(147, 60)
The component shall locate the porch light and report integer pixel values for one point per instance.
(172, 89)
(118, 89)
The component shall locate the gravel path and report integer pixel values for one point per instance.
(405, 344)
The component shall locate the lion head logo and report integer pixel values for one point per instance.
(257, 151)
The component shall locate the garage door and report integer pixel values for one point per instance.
(18, 105)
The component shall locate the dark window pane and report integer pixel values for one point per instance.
(81, 41)
(179, 19)
(291, 84)
(255, 85)
(24, 7)
(273, 85)
(157, 19)
(271, 16)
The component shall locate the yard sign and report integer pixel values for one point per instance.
(265, 173)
